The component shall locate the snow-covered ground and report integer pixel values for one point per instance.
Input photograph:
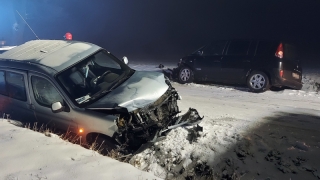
(26, 154)
(245, 135)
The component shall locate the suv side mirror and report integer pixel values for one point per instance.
(57, 107)
(125, 60)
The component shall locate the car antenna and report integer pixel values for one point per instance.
(28, 25)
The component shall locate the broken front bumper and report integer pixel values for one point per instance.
(146, 124)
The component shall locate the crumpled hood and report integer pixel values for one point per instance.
(141, 89)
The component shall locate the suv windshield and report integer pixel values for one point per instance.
(93, 77)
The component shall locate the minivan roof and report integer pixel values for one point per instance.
(56, 54)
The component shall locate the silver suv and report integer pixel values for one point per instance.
(81, 87)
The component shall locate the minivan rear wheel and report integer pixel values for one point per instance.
(185, 75)
(258, 81)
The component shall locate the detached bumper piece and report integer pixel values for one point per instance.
(190, 118)
(147, 124)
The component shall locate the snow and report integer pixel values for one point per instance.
(245, 135)
(26, 154)
(272, 135)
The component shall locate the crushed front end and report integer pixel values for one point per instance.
(146, 124)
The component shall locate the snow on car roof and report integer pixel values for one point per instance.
(5, 48)
(57, 54)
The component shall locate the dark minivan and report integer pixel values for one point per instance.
(258, 63)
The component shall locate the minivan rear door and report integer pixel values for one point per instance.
(236, 62)
(292, 70)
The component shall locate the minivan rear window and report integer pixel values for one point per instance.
(290, 52)
(267, 48)
(238, 48)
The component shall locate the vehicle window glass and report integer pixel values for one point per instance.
(238, 48)
(290, 52)
(87, 80)
(105, 61)
(266, 48)
(3, 86)
(215, 48)
(16, 86)
(44, 92)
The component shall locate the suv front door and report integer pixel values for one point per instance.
(43, 95)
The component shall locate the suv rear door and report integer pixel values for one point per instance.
(236, 61)
(14, 96)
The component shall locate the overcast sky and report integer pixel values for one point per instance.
(165, 29)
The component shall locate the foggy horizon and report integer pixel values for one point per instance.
(159, 30)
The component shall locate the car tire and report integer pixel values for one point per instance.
(185, 75)
(258, 82)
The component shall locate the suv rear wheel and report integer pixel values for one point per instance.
(258, 81)
(185, 75)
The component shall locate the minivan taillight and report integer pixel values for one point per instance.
(279, 52)
(281, 73)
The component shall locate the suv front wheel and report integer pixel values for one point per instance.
(185, 75)
(258, 81)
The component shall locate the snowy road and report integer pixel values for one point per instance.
(268, 135)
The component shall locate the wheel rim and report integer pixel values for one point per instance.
(185, 74)
(257, 81)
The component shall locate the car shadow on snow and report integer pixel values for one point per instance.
(283, 146)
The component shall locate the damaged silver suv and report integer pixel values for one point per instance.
(80, 87)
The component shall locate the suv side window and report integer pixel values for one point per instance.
(3, 84)
(16, 86)
(238, 48)
(215, 48)
(44, 92)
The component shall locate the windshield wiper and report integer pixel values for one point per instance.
(87, 98)
(120, 81)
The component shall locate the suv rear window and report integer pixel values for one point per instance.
(15, 86)
(3, 84)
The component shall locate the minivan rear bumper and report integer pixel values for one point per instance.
(280, 82)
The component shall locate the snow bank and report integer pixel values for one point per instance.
(26, 154)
